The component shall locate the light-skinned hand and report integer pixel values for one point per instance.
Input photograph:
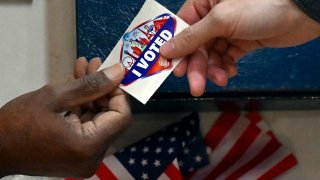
(222, 32)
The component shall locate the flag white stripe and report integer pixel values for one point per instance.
(175, 163)
(117, 168)
(164, 177)
(263, 126)
(267, 164)
(223, 148)
(256, 147)
(94, 177)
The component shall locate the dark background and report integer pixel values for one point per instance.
(288, 73)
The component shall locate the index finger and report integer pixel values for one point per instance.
(189, 13)
(118, 117)
(193, 11)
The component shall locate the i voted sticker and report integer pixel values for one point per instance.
(140, 53)
(138, 50)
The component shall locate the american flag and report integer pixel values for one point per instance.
(244, 147)
(237, 146)
(171, 153)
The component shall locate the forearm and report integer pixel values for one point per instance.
(310, 7)
(3, 154)
(8, 155)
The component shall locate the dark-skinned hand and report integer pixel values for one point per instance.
(64, 130)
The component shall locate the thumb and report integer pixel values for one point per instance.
(193, 37)
(87, 89)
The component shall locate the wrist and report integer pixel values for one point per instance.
(311, 9)
(308, 24)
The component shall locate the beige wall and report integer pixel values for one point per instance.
(37, 44)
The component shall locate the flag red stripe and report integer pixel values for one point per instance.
(220, 128)
(269, 149)
(104, 173)
(173, 172)
(254, 117)
(287, 163)
(235, 153)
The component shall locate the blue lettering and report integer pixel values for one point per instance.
(151, 53)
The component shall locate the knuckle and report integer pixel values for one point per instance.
(119, 126)
(215, 18)
(189, 35)
(89, 129)
(50, 93)
(127, 121)
(95, 81)
(125, 115)
(56, 97)
(218, 18)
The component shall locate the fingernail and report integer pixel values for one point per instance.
(96, 59)
(82, 58)
(114, 72)
(167, 48)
